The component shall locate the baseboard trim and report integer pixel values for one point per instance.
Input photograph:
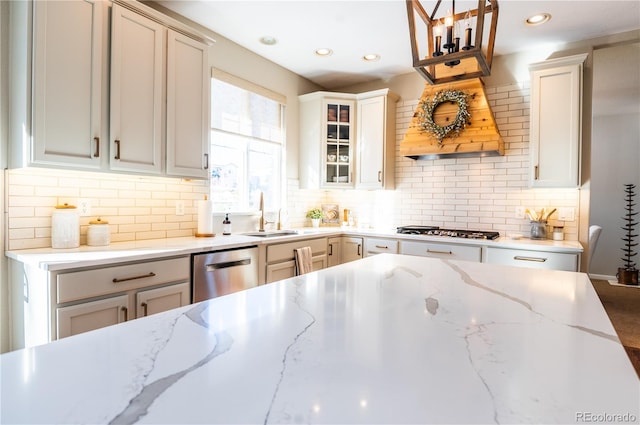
(602, 276)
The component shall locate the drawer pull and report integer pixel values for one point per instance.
(116, 280)
(435, 251)
(144, 308)
(126, 313)
(382, 246)
(535, 259)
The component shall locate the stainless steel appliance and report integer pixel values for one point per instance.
(223, 272)
(452, 233)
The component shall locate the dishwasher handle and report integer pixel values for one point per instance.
(227, 264)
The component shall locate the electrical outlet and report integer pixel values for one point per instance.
(519, 212)
(84, 207)
(566, 214)
(179, 207)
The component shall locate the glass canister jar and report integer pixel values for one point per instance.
(65, 227)
(539, 229)
(98, 233)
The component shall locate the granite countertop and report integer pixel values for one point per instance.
(90, 256)
(386, 339)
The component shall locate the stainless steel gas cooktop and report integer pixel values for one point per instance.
(452, 233)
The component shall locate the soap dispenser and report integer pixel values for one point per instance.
(226, 225)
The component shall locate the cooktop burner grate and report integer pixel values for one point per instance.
(452, 233)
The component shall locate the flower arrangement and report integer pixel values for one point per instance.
(314, 213)
(429, 105)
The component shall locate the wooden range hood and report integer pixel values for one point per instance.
(480, 137)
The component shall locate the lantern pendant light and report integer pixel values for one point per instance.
(442, 61)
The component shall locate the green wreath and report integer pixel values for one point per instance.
(429, 105)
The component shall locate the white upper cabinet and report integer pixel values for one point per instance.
(140, 106)
(137, 45)
(67, 88)
(187, 107)
(347, 140)
(556, 122)
(376, 140)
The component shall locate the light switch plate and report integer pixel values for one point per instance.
(519, 212)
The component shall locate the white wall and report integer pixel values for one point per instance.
(4, 296)
(615, 149)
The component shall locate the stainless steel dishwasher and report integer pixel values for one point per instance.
(223, 272)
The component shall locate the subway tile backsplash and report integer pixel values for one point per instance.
(473, 193)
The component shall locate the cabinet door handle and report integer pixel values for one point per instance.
(534, 259)
(125, 310)
(382, 246)
(144, 308)
(330, 249)
(435, 251)
(379, 176)
(206, 161)
(142, 276)
(536, 172)
(117, 142)
(359, 249)
(96, 153)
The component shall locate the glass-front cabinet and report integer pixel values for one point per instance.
(338, 143)
(347, 140)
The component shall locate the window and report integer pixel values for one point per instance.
(247, 145)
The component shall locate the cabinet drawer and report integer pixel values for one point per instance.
(533, 259)
(284, 251)
(374, 246)
(109, 280)
(439, 250)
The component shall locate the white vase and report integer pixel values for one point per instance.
(315, 222)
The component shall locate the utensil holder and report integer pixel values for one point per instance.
(538, 230)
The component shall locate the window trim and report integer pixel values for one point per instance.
(241, 83)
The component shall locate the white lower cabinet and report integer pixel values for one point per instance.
(65, 303)
(351, 248)
(373, 246)
(92, 315)
(87, 316)
(152, 301)
(281, 258)
(533, 259)
(334, 254)
(442, 250)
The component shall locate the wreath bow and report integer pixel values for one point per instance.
(429, 105)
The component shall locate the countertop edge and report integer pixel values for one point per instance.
(50, 259)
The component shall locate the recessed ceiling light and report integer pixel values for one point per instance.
(371, 57)
(323, 51)
(268, 40)
(538, 19)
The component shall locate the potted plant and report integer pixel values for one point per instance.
(315, 214)
(629, 274)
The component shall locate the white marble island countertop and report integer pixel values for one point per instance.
(389, 339)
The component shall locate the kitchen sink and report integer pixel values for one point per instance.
(273, 233)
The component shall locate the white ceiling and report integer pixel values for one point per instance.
(353, 28)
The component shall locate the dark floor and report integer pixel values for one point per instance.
(622, 304)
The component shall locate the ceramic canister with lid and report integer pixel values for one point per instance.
(65, 227)
(98, 233)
